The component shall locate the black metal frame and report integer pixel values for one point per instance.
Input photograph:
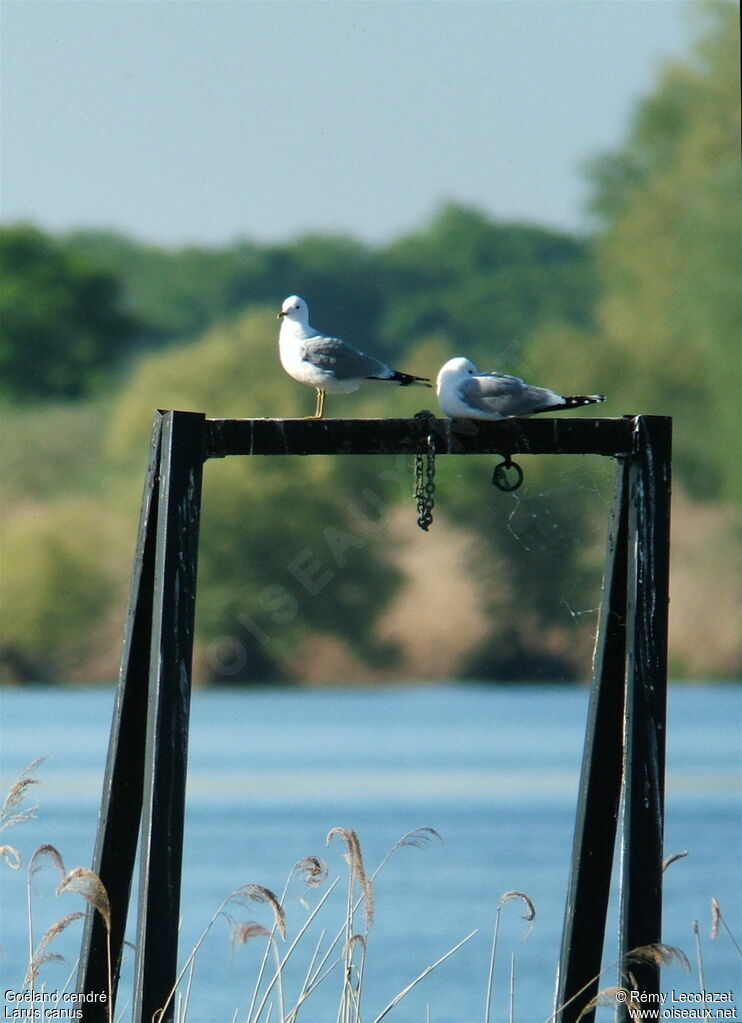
(624, 755)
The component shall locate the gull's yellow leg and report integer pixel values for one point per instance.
(318, 406)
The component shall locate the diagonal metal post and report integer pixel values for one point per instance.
(646, 697)
(600, 784)
(165, 760)
(121, 805)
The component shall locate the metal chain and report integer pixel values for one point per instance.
(425, 479)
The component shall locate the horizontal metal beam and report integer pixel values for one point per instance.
(543, 436)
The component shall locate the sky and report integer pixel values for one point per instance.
(207, 121)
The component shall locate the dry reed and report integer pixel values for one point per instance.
(12, 811)
(347, 950)
(87, 884)
(699, 958)
(353, 973)
(357, 873)
(34, 866)
(669, 860)
(244, 932)
(657, 954)
(41, 955)
(612, 996)
(529, 916)
(718, 921)
(257, 893)
(312, 870)
(715, 919)
(347, 946)
(11, 856)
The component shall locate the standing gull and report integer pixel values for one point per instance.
(465, 393)
(327, 363)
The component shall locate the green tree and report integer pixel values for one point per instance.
(668, 207)
(59, 589)
(486, 285)
(61, 325)
(287, 550)
(177, 293)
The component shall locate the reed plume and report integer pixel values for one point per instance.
(86, 883)
(418, 838)
(354, 859)
(34, 865)
(529, 916)
(717, 920)
(12, 811)
(610, 996)
(11, 856)
(46, 849)
(257, 893)
(41, 956)
(673, 859)
(657, 954)
(242, 932)
(313, 871)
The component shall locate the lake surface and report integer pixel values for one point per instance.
(493, 769)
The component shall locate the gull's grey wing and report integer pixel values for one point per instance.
(345, 362)
(505, 395)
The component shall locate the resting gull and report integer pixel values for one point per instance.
(465, 393)
(328, 364)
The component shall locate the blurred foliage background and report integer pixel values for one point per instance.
(313, 569)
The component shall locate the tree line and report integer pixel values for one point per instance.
(97, 330)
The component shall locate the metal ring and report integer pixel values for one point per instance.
(500, 475)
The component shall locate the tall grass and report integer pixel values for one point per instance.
(281, 989)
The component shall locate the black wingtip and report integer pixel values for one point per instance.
(406, 380)
(403, 379)
(576, 400)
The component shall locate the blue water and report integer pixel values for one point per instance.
(493, 770)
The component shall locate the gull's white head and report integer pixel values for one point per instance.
(294, 308)
(455, 369)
